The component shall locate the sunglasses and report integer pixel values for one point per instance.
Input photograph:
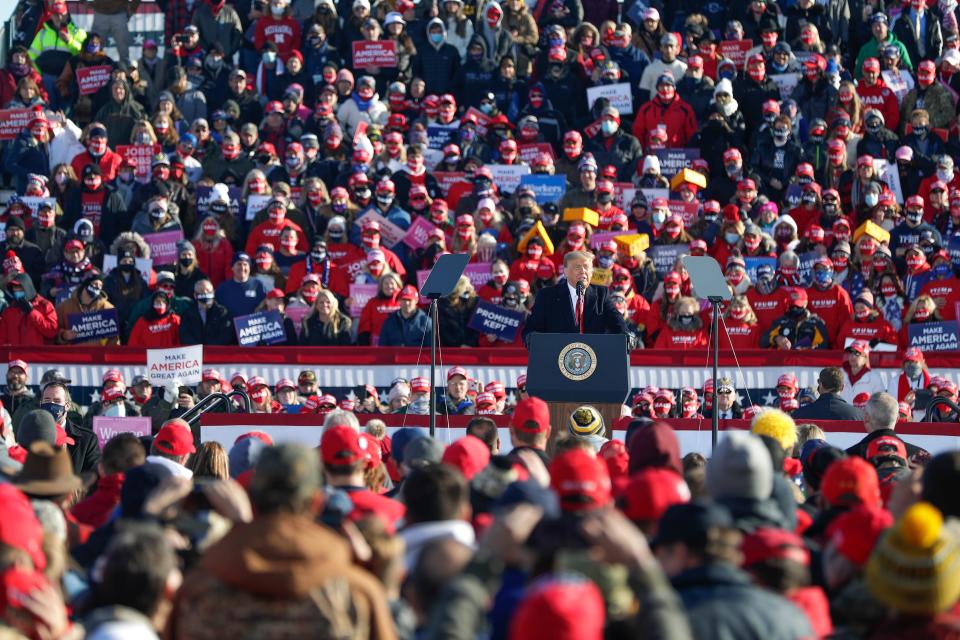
(724, 392)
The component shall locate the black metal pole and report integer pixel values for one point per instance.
(433, 368)
(715, 426)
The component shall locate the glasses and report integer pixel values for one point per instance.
(724, 392)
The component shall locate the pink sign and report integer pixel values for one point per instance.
(418, 233)
(163, 246)
(529, 152)
(736, 51)
(478, 272)
(686, 210)
(390, 233)
(92, 79)
(106, 427)
(13, 121)
(602, 236)
(296, 315)
(360, 294)
(374, 53)
(141, 155)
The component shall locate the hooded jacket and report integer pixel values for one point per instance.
(280, 574)
(73, 305)
(31, 322)
(437, 64)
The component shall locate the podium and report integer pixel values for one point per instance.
(568, 370)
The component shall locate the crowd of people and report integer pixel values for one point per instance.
(544, 530)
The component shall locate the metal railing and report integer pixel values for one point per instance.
(210, 402)
(936, 402)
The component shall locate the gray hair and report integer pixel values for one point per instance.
(287, 478)
(881, 412)
(341, 418)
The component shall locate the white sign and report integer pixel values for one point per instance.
(183, 363)
(618, 94)
(889, 174)
(256, 202)
(144, 265)
(507, 176)
(785, 82)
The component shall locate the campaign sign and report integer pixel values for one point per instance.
(205, 197)
(953, 248)
(507, 176)
(106, 427)
(141, 155)
(752, 264)
(256, 202)
(94, 325)
(786, 82)
(182, 363)
(296, 315)
(360, 294)
(672, 160)
(263, 327)
(482, 120)
(665, 256)
(446, 179)
(390, 233)
(34, 202)
(529, 152)
(618, 94)
(686, 210)
(501, 322)
(163, 246)
(735, 51)
(144, 265)
(92, 79)
(547, 188)
(934, 336)
(13, 121)
(418, 232)
(805, 270)
(374, 53)
(439, 135)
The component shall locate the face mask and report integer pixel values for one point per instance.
(92, 47)
(915, 262)
(204, 299)
(58, 411)
(277, 216)
(157, 213)
(780, 136)
(797, 312)
(921, 130)
(946, 176)
(293, 162)
(115, 410)
(921, 313)
(436, 38)
(874, 126)
(888, 291)
(385, 199)
(809, 199)
(685, 320)
(731, 237)
(751, 242)
(738, 314)
(604, 198)
(94, 292)
(914, 217)
(871, 199)
(823, 277)
(605, 262)
(840, 262)
(259, 396)
(159, 308)
(269, 57)
(97, 147)
(942, 271)
(666, 93)
(862, 315)
(609, 127)
(912, 370)
(672, 291)
(46, 220)
(756, 73)
(19, 69)
(658, 218)
(735, 277)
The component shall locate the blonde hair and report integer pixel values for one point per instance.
(211, 461)
(335, 316)
(577, 255)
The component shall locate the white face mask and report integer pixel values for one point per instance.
(116, 410)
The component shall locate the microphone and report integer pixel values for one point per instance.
(580, 288)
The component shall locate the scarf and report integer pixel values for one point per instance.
(362, 105)
(905, 385)
(855, 378)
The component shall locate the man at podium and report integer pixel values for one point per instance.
(574, 305)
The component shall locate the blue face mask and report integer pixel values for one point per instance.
(58, 411)
(605, 262)
(942, 271)
(609, 127)
(361, 168)
(556, 42)
(19, 294)
(823, 277)
(436, 38)
(731, 238)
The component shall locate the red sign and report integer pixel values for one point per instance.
(446, 179)
(686, 210)
(92, 79)
(736, 51)
(374, 53)
(12, 121)
(141, 155)
(529, 152)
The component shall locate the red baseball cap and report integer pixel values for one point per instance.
(497, 389)
(531, 416)
(419, 385)
(211, 375)
(175, 438)
(469, 454)
(342, 445)
(913, 354)
(409, 292)
(19, 527)
(580, 480)
(457, 371)
(259, 435)
(773, 544)
(886, 446)
(651, 492)
(18, 363)
(851, 481)
(562, 608)
(854, 533)
(860, 346)
(798, 296)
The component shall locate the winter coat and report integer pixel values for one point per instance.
(155, 332)
(903, 29)
(829, 406)
(622, 150)
(677, 115)
(216, 167)
(217, 262)
(97, 508)
(936, 100)
(315, 333)
(814, 100)
(280, 574)
(31, 322)
(805, 332)
(398, 331)
(25, 156)
(217, 330)
(437, 65)
(453, 323)
(350, 114)
(73, 305)
(224, 28)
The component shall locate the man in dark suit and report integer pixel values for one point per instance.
(555, 309)
(829, 406)
(879, 420)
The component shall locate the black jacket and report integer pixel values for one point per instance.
(860, 449)
(85, 450)
(553, 312)
(829, 406)
(217, 330)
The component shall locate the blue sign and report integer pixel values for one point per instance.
(754, 263)
(501, 322)
(664, 256)
(673, 160)
(94, 325)
(546, 188)
(439, 135)
(934, 336)
(264, 327)
(805, 269)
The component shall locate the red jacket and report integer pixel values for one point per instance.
(215, 263)
(670, 339)
(8, 86)
(768, 308)
(741, 336)
(269, 233)
(832, 305)
(97, 508)
(490, 293)
(949, 290)
(813, 602)
(35, 329)
(156, 333)
(880, 97)
(878, 329)
(285, 33)
(109, 163)
(678, 116)
(375, 313)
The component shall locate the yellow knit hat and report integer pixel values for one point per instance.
(775, 424)
(586, 421)
(915, 567)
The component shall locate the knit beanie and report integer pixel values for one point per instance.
(915, 568)
(740, 468)
(777, 425)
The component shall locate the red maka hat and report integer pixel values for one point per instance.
(855, 532)
(581, 481)
(175, 438)
(342, 445)
(651, 492)
(851, 481)
(469, 454)
(531, 416)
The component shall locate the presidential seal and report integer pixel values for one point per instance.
(577, 361)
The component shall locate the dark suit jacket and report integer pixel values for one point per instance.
(829, 406)
(553, 313)
(860, 449)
